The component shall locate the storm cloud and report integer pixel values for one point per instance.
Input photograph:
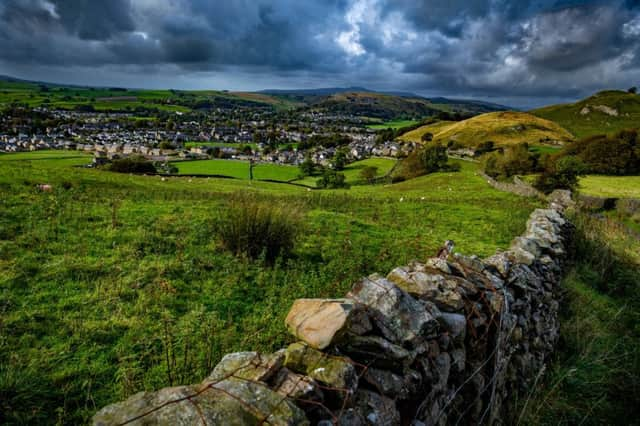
(525, 52)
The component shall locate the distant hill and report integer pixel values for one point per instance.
(352, 100)
(502, 128)
(382, 105)
(604, 112)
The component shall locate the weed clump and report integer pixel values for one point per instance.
(258, 229)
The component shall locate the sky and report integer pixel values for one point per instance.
(522, 53)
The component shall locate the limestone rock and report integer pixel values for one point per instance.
(375, 350)
(400, 318)
(392, 384)
(428, 286)
(454, 324)
(296, 386)
(246, 365)
(376, 409)
(333, 371)
(229, 402)
(321, 322)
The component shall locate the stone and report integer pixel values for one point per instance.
(333, 371)
(296, 386)
(458, 359)
(440, 264)
(527, 244)
(432, 287)
(246, 365)
(470, 262)
(501, 263)
(229, 402)
(376, 409)
(400, 318)
(375, 350)
(321, 322)
(392, 384)
(454, 324)
(522, 256)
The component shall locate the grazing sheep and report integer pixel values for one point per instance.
(45, 187)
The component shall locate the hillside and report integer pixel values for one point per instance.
(503, 128)
(36, 94)
(604, 112)
(381, 105)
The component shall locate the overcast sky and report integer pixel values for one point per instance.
(523, 53)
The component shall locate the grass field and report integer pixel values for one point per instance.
(352, 171)
(238, 169)
(611, 186)
(502, 128)
(396, 124)
(113, 283)
(595, 376)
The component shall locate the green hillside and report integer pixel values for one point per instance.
(35, 94)
(502, 128)
(391, 107)
(605, 112)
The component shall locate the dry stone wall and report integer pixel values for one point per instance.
(452, 340)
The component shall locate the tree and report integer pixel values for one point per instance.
(339, 160)
(427, 137)
(564, 173)
(369, 173)
(434, 158)
(307, 167)
(633, 90)
(331, 180)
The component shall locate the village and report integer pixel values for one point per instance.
(257, 136)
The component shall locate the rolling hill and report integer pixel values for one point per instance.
(381, 105)
(605, 112)
(354, 100)
(503, 128)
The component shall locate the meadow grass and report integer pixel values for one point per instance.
(352, 171)
(611, 186)
(395, 124)
(595, 375)
(113, 283)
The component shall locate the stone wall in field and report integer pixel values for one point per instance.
(451, 340)
(518, 187)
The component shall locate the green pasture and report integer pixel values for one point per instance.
(114, 283)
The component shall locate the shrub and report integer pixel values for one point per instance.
(612, 155)
(430, 159)
(332, 180)
(513, 161)
(131, 165)
(307, 167)
(369, 173)
(562, 173)
(259, 229)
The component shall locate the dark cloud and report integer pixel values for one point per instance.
(455, 47)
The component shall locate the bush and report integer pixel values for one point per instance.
(131, 165)
(612, 155)
(369, 173)
(332, 180)
(259, 229)
(307, 167)
(431, 159)
(516, 160)
(562, 173)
